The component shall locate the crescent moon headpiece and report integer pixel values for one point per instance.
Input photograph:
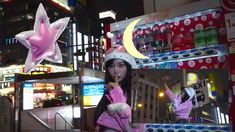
(119, 52)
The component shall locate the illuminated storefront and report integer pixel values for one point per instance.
(41, 91)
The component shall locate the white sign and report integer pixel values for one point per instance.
(230, 26)
(28, 96)
(106, 14)
(202, 92)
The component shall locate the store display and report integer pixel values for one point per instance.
(179, 33)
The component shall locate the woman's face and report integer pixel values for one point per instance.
(117, 68)
(183, 93)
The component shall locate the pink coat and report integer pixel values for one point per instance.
(118, 119)
(181, 110)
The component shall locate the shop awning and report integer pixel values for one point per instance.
(59, 78)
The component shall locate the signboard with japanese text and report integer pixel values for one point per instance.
(92, 93)
(230, 26)
(202, 92)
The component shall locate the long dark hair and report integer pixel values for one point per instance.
(185, 97)
(125, 85)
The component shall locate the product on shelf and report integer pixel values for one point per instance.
(188, 41)
(177, 43)
(199, 38)
(211, 35)
(138, 39)
(157, 36)
(166, 38)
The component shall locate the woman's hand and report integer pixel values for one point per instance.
(164, 79)
(112, 85)
(165, 85)
(115, 92)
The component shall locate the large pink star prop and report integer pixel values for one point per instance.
(41, 41)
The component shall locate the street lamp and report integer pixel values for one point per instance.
(139, 105)
(159, 95)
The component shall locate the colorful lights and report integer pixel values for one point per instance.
(62, 3)
(191, 78)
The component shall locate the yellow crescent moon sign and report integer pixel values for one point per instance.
(128, 43)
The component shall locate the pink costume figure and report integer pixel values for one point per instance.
(113, 112)
(182, 104)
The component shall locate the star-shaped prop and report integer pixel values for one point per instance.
(41, 41)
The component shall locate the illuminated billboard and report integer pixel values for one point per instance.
(27, 96)
(92, 93)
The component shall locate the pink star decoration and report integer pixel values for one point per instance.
(41, 41)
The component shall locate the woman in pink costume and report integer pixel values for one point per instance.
(113, 113)
(182, 104)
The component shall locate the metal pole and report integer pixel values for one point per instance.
(16, 106)
(184, 74)
(17, 86)
(82, 118)
(154, 6)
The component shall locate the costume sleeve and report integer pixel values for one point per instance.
(101, 107)
(125, 120)
(174, 99)
(170, 94)
(120, 110)
(116, 95)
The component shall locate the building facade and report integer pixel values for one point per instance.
(144, 96)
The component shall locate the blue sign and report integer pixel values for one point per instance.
(27, 85)
(72, 2)
(11, 78)
(93, 89)
(11, 41)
